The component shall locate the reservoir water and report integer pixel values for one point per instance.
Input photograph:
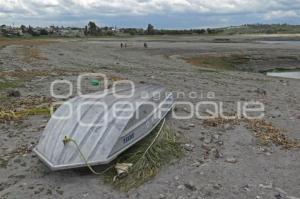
(293, 75)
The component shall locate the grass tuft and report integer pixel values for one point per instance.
(32, 54)
(146, 165)
(218, 62)
(16, 115)
(9, 84)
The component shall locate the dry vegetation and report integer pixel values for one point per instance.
(17, 115)
(223, 62)
(16, 109)
(32, 54)
(24, 42)
(263, 130)
(146, 161)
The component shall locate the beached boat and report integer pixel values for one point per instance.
(102, 126)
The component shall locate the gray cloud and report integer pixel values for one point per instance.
(50, 11)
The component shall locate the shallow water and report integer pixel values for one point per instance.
(293, 75)
(281, 42)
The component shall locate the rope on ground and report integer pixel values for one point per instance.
(154, 140)
(67, 140)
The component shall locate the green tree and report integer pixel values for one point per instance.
(92, 27)
(150, 29)
(23, 28)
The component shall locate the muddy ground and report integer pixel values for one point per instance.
(230, 67)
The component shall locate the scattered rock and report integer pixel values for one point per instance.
(216, 137)
(17, 160)
(190, 185)
(207, 139)
(246, 188)
(49, 192)
(23, 164)
(227, 126)
(278, 196)
(184, 127)
(275, 114)
(217, 186)
(218, 154)
(176, 177)
(280, 190)
(13, 93)
(189, 147)
(186, 110)
(180, 187)
(268, 186)
(268, 153)
(60, 192)
(197, 163)
(292, 197)
(206, 147)
(162, 196)
(191, 125)
(261, 91)
(231, 160)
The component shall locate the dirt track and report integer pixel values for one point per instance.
(259, 171)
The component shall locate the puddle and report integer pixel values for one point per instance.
(293, 75)
(281, 42)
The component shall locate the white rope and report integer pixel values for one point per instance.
(153, 141)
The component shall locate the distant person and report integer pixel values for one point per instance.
(125, 45)
(121, 45)
(145, 45)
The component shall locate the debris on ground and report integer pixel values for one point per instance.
(95, 82)
(263, 130)
(13, 93)
(231, 160)
(190, 186)
(146, 165)
(24, 107)
(267, 133)
(122, 170)
(189, 147)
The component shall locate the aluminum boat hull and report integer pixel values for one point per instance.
(103, 127)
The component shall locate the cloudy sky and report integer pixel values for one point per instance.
(138, 13)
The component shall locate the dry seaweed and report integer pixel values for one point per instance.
(265, 131)
(146, 165)
(17, 115)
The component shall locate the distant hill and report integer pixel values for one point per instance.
(261, 29)
(92, 30)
